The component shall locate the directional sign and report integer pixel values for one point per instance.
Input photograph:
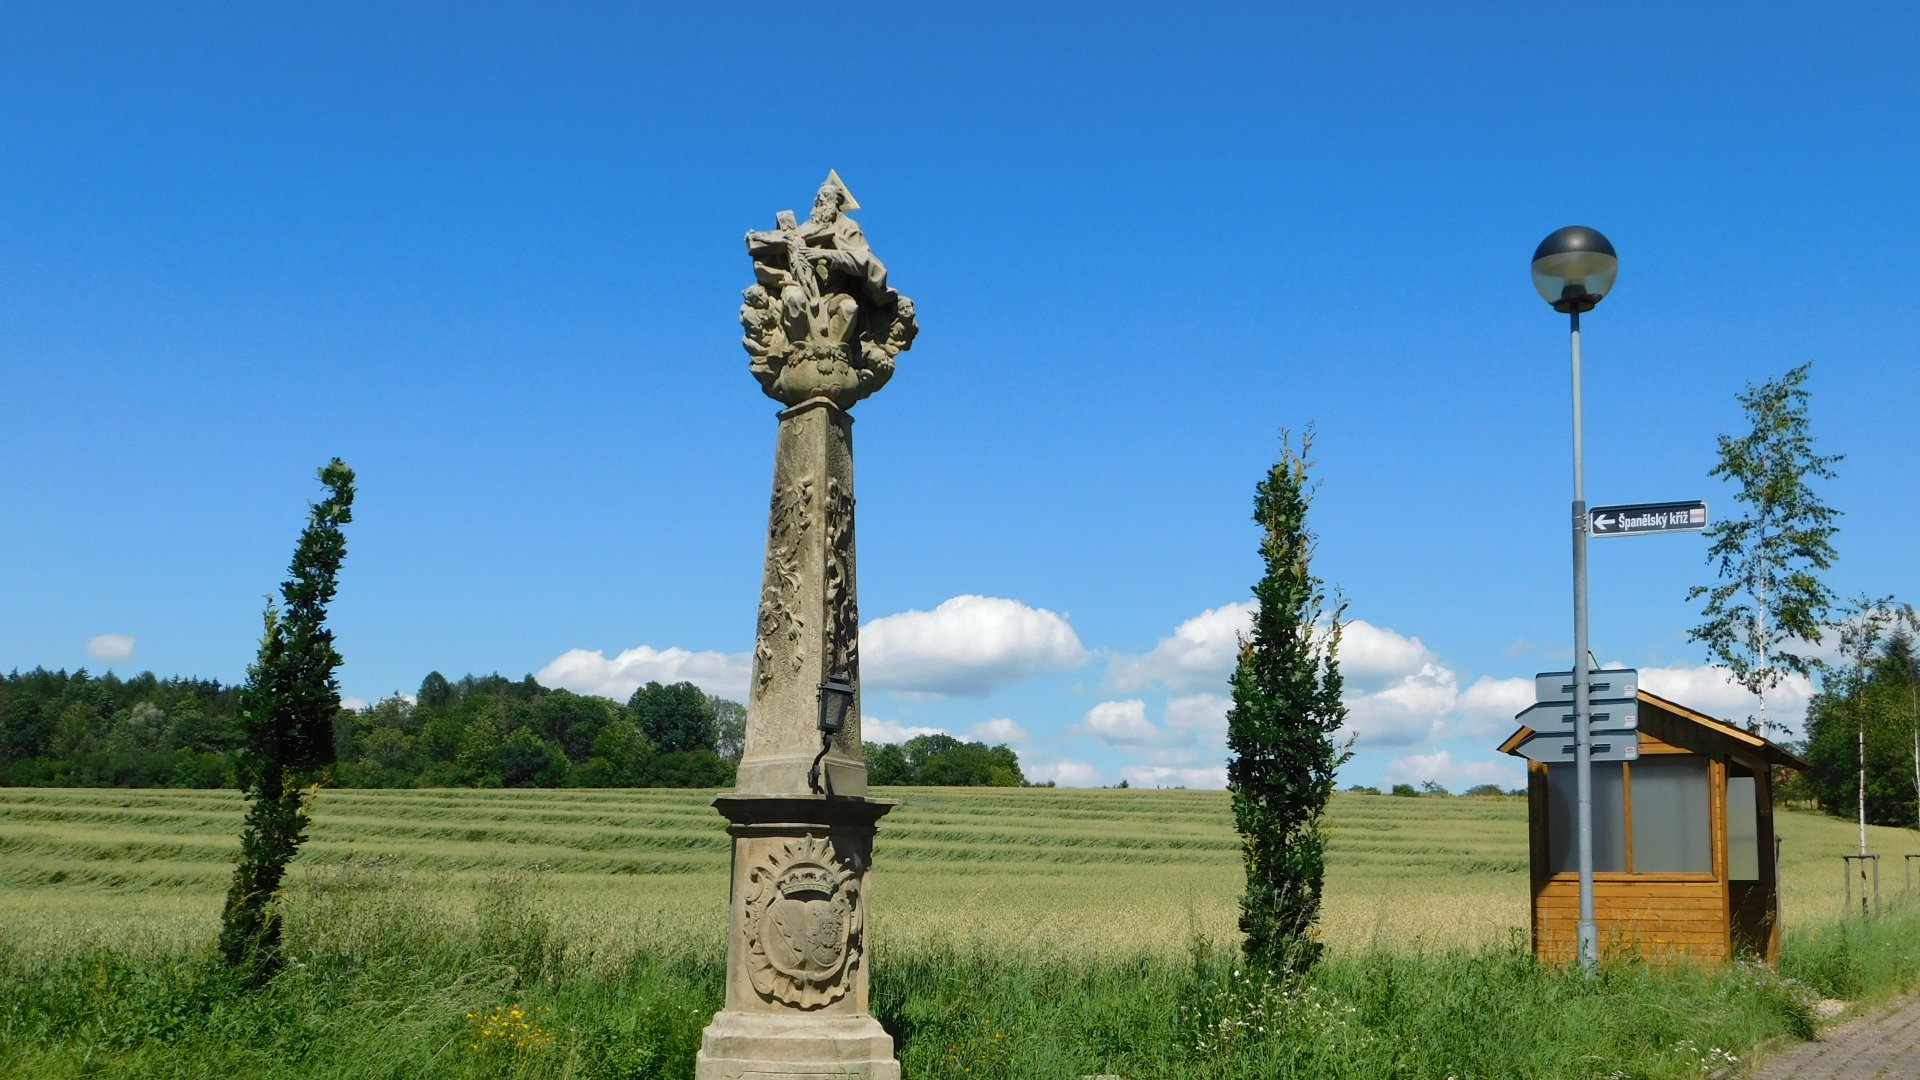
(1602, 683)
(1641, 518)
(1604, 714)
(1558, 747)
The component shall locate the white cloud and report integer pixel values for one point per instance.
(873, 729)
(1710, 689)
(1454, 773)
(969, 646)
(1120, 723)
(999, 730)
(1063, 773)
(1405, 712)
(1376, 655)
(1160, 776)
(354, 703)
(110, 647)
(1173, 755)
(1488, 706)
(1203, 715)
(587, 672)
(1200, 652)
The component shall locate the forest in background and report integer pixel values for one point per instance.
(77, 729)
(1874, 711)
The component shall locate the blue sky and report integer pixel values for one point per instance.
(490, 255)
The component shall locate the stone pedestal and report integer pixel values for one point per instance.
(797, 972)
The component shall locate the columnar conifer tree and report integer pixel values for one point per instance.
(286, 709)
(1280, 730)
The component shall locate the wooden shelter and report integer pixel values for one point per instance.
(1683, 844)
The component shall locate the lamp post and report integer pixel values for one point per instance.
(1572, 269)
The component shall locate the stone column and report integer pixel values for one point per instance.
(809, 626)
(822, 331)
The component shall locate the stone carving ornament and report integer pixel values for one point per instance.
(803, 929)
(781, 628)
(820, 319)
(843, 610)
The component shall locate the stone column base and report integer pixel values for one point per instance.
(775, 1046)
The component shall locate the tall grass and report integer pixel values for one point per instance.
(1016, 934)
(381, 985)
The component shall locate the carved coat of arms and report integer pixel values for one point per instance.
(802, 928)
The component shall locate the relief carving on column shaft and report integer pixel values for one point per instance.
(842, 603)
(803, 923)
(779, 635)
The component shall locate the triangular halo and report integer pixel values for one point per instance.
(847, 201)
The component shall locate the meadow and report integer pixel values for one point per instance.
(1097, 926)
(1117, 872)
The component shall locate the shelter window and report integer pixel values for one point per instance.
(1563, 819)
(1743, 829)
(1671, 816)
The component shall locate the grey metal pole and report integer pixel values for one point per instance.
(1588, 934)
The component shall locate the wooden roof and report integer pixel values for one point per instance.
(1681, 726)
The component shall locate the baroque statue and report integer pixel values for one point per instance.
(820, 319)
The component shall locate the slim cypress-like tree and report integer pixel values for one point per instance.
(1280, 730)
(286, 709)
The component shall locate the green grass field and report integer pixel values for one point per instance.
(1044, 871)
(1017, 934)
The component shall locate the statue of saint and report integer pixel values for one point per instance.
(820, 318)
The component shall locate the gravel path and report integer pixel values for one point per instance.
(1883, 1046)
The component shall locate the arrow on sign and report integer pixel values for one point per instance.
(1559, 749)
(1601, 683)
(1607, 714)
(1638, 519)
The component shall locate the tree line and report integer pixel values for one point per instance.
(60, 728)
(1863, 737)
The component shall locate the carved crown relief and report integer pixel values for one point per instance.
(820, 319)
(803, 931)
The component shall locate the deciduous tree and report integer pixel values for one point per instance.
(730, 727)
(1860, 727)
(1770, 602)
(675, 718)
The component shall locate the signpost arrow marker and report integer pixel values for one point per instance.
(1557, 686)
(1639, 519)
(1558, 747)
(1603, 714)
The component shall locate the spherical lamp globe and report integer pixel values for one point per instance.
(1573, 268)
